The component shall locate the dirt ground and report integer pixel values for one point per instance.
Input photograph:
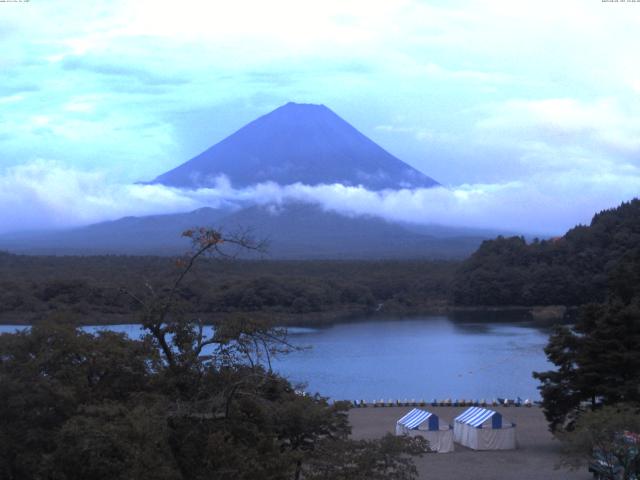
(537, 455)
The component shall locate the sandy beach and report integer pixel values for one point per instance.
(537, 456)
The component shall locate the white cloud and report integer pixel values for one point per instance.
(47, 195)
(569, 120)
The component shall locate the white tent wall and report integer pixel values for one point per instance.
(497, 439)
(485, 438)
(440, 441)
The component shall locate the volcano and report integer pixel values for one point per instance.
(297, 143)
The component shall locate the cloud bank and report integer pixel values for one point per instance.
(46, 194)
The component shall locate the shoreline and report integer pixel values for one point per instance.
(540, 315)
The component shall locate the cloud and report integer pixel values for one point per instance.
(604, 122)
(102, 67)
(45, 194)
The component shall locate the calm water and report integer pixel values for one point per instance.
(425, 357)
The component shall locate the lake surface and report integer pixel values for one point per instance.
(417, 358)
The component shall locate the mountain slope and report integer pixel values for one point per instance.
(299, 230)
(297, 143)
(293, 231)
(154, 234)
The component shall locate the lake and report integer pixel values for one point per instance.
(415, 358)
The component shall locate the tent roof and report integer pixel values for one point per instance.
(475, 416)
(414, 418)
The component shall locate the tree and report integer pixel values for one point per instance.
(387, 458)
(598, 362)
(598, 359)
(181, 403)
(574, 269)
(561, 396)
(609, 437)
(48, 374)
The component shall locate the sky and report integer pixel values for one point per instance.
(528, 113)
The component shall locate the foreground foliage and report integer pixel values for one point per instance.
(609, 439)
(182, 402)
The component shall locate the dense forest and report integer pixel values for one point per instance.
(571, 270)
(34, 287)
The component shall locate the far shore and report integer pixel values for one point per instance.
(538, 455)
(541, 315)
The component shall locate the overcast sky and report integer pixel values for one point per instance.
(528, 112)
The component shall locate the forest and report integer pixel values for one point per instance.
(571, 270)
(574, 269)
(31, 288)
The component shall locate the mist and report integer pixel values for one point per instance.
(49, 195)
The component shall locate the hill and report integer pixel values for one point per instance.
(578, 268)
(292, 230)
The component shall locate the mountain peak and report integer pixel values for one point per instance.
(299, 112)
(297, 143)
(296, 105)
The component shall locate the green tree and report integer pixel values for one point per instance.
(181, 403)
(47, 374)
(598, 362)
(387, 458)
(599, 436)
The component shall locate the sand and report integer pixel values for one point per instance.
(537, 456)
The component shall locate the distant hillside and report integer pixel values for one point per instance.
(297, 143)
(293, 231)
(154, 234)
(574, 269)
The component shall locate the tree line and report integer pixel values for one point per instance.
(574, 269)
(32, 288)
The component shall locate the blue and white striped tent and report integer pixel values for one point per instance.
(482, 429)
(417, 417)
(476, 416)
(427, 425)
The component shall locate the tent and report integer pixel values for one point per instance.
(482, 429)
(427, 425)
